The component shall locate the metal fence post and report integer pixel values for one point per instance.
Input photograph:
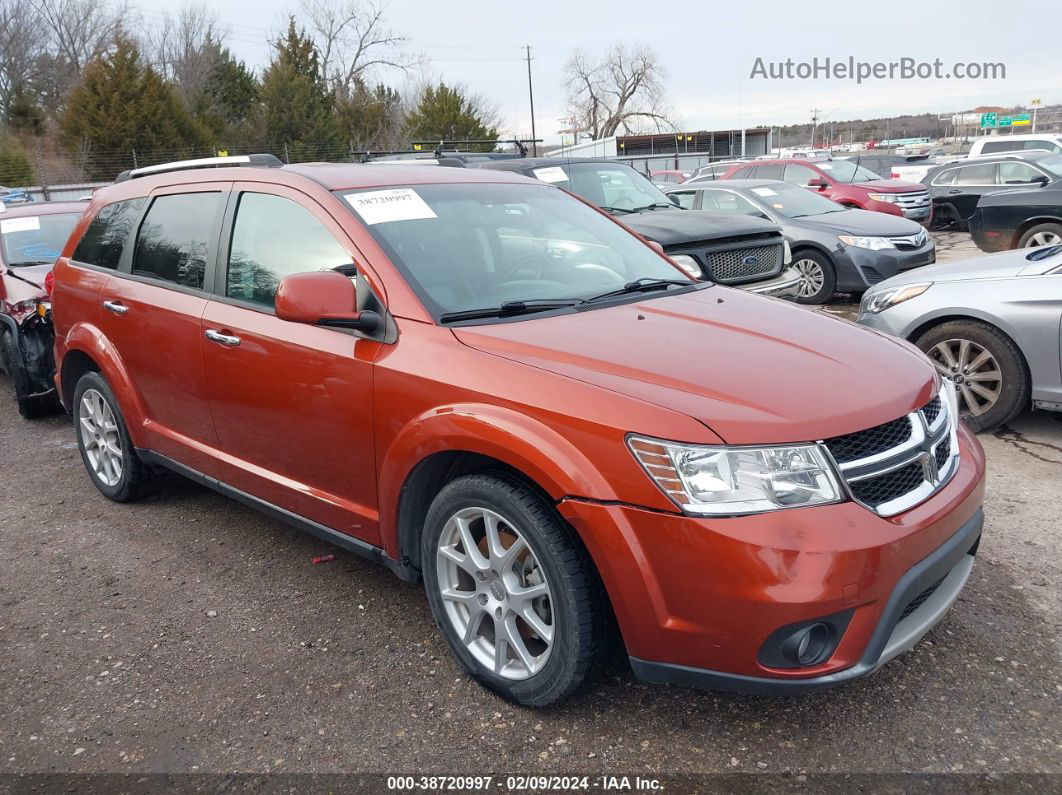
(40, 173)
(135, 164)
(287, 156)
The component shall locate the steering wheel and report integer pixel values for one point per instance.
(531, 266)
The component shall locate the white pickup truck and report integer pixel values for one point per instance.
(1010, 144)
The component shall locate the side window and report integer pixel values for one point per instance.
(273, 237)
(1011, 173)
(175, 236)
(771, 172)
(104, 240)
(984, 174)
(728, 202)
(997, 146)
(744, 173)
(799, 175)
(1042, 145)
(946, 177)
(685, 198)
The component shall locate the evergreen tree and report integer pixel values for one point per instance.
(120, 105)
(15, 171)
(24, 115)
(447, 114)
(296, 107)
(371, 119)
(229, 102)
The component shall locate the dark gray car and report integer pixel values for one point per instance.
(834, 248)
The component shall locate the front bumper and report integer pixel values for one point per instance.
(860, 268)
(697, 599)
(784, 285)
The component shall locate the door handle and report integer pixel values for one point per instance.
(953, 191)
(222, 339)
(115, 306)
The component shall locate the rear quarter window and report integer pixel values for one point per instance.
(104, 240)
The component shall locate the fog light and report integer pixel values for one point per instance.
(806, 646)
(804, 643)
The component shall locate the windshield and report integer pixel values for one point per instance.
(471, 246)
(1052, 164)
(793, 201)
(847, 171)
(35, 239)
(611, 186)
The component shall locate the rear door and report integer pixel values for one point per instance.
(152, 307)
(971, 183)
(292, 403)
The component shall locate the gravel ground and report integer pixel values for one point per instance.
(188, 633)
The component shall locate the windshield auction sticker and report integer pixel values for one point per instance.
(551, 174)
(398, 204)
(10, 225)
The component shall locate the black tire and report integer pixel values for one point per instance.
(580, 616)
(1014, 388)
(137, 479)
(1027, 238)
(947, 217)
(30, 406)
(828, 275)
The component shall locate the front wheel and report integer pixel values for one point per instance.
(1041, 235)
(515, 596)
(818, 279)
(985, 365)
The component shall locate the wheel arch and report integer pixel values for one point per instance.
(986, 320)
(1029, 223)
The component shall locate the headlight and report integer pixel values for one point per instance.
(23, 309)
(878, 302)
(729, 481)
(873, 243)
(787, 253)
(892, 198)
(688, 264)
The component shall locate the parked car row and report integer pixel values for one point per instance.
(495, 388)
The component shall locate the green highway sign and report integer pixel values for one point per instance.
(988, 120)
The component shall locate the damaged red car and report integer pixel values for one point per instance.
(31, 238)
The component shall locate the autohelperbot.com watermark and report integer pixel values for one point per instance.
(850, 68)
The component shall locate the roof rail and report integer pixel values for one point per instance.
(262, 161)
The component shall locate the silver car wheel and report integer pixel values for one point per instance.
(811, 277)
(100, 437)
(973, 370)
(1043, 239)
(495, 593)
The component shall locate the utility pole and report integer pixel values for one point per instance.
(531, 98)
(814, 124)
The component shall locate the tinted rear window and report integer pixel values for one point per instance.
(175, 237)
(105, 237)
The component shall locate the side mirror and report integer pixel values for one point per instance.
(674, 199)
(322, 298)
(818, 182)
(1040, 180)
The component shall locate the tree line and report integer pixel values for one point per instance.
(90, 79)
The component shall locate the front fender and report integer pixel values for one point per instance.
(515, 439)
(89, 340)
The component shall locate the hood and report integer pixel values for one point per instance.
(677, 227)
(754, 370)
(861, 222)
(34, 274)
(890, 186)
(1005, 264)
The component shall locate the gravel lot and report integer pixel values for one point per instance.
(188, 633)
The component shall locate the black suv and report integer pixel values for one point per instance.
(749, 253)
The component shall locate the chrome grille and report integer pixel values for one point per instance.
(893, 467)
(743, 264)
(913, 200)
(910, 242)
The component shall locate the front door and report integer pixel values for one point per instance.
(292, 403)
(151, 310)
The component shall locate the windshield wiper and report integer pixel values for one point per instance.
(642, 285)
(31, 262)
(616, 209)
(509, 308)
(654, 206)
(1044, 252)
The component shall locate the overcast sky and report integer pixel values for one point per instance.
(709, 51)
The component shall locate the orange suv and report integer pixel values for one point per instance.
(484, 383)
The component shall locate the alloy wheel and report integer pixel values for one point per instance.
(974, 371)
(100, 438)
(1043, 239)
(495, 593)
(811, 277)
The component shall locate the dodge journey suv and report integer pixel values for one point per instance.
(488, 385)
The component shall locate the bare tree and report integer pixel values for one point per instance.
(78, 31)
(353, 40)
(623, 89)
(186, 48)
(20, 48)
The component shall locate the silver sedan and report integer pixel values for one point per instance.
(992, 325)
